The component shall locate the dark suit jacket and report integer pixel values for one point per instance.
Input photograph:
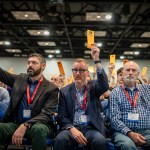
(67, 103)
(44, 104)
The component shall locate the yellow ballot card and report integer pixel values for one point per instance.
(90, 38)
(61, 68)
(125, 61)
(113, 59)
(11, 70)
(144, 70)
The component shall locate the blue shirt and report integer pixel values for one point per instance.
(120, 107)
(24, 102)
(78, 102)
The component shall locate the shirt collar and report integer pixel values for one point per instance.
(83, 88)
(134, 89)
(33, 82)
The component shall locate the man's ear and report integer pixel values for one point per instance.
(43, 66)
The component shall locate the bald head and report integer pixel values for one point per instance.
(133, 63)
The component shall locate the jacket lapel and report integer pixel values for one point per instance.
(72, 92)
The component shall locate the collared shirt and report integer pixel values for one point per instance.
(79, 101)
(24, 102)
(120, 107)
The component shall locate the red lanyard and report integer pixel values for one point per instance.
(30, 99)
(82, 106)
(133, 103)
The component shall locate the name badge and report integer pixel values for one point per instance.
(26, 113)
(84, 119)
(133, 117)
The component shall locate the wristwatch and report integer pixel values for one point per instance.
(28, 125)
(98, 61)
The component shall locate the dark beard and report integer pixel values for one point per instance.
(33, 73)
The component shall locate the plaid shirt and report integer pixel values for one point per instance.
(120, 107)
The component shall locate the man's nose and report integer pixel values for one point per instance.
(131, 72)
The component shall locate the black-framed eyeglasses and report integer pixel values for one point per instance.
(80, 70)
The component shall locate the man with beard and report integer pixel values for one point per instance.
(33, 102)
(130, 110)
(80, 118)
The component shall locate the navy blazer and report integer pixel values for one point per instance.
(66, 107)
(44, 104)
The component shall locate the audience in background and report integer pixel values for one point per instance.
(55, 79)
(4, 100)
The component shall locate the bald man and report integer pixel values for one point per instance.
(130, 110)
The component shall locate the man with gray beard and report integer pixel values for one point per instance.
(33, 103)
(130, 110)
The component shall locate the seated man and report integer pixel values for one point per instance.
(80, 117)
(130, 110)
(4, 101)
(32, 105)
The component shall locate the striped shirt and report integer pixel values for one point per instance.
(120, 107)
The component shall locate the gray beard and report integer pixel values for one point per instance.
(129, 81)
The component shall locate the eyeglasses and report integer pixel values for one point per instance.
(80, 70)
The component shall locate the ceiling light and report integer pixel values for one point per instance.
(26, 15)
(93, 16)
(5, 43)
(59, 56)
(87, 52)
(100, 33)
(146, 34)
(57, 51)
(86, 56)
(13, 50)
(141, 45)
(99, 44)
(137, 53)
(121, 57)
(49, 51)
(50, 56)
(47, 43)
(131, 53)
(108, 17)
(38, 32)
(46, 33)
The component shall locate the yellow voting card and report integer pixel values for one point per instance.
(113, 59)
(61, 68)
(125, 61)
(144, 70)
(90, 38)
